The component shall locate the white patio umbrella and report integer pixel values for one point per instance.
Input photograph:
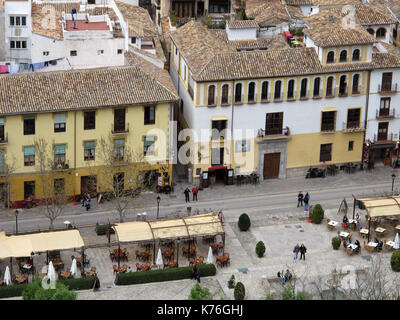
(73, 267)
(51, 273)
(7, 276)
(397, 242)
(210, 257)
(159, 261)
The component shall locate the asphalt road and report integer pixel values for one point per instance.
(280, 204)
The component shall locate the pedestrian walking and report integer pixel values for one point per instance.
(300, 197)
(198, 276)
(303, 251)
(194, 273)
(187, 192)
(296, 251)
(195, 191)
(306, 201)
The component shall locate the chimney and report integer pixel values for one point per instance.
(330, 18)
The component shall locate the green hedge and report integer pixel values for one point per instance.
(81, 283)
(239, 291)
(336, 241)
(260, 249)
(317, 214)
(73, 284)
(101, 229)
(395, 261)
(12, 291)
(169, 274)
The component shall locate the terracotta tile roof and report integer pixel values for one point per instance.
(138, 19)
(46, 28)
(267, 13)
(260, 43)
(327, 31)
(160, 75)
(393, 5)
(373, 14)
(165, 29)
(80, 89)
(242, 24)
(388, 59)
(299, 2)
(198, 45)
(158, 47)
(335, 3)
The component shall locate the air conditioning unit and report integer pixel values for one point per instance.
(17, 32)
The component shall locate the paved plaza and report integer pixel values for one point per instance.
(280, 225)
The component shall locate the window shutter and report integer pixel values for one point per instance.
(60, 149)
(2, 154)
(119, 143)
(89, 145)
(1, 121)
(148, 141)
(29, 151)
(59, 118)
(29, 118)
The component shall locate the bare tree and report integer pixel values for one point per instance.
(52, 182)
(120, 173)
(9, 167)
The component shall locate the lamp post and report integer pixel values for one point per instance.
(158, 205)
(16, 221)
(393, 177)
(177, 252)
(32, 255)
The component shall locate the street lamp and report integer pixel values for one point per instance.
(16, 221)
(158, 205)
(177, 252)
(32, 255)
(393, 177)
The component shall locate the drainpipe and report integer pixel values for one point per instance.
(75, 153)
(232, 104)
(366, 112)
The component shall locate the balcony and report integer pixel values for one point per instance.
(385, 89)
(291, 97)
(304, 95)
(317, 95)
(120, 129)
(4, 139)
(384, 138)
(274, 133)
(328, 128)
(356, 90)
(353, 126)
(343, 92)
(61, 166)
(385, 113)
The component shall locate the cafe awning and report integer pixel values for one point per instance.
(382, 206)
(24, 245)
(185, 227)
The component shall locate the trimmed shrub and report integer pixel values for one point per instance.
(260, 249)
(240, 291)
(336, 241)
(101, 229)
(317, 214)
(12, 291)
(231, 282)
(288, 293)
(244, 222)
(35, 291)
(304, 295)
(170, 274)
(395, 261)
(200, 293)
(81, 283)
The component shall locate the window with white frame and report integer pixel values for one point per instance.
(243, 146)
(17, 21)
(149, 142)
(18, 44)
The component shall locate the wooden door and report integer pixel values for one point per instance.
(271, 165)
(89, 185)
(382, 131)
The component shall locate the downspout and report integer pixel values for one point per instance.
(366, 113)
(75, 154)
(232, 104)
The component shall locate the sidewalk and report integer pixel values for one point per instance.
(147, 200)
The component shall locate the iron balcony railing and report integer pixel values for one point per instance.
(385, 88)
(385, 113)
(274, 132)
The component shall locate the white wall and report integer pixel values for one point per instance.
(374, 104)
(2, 35)
(241, 34)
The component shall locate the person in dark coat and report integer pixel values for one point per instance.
(300, 199)
(303, 251)
(194, 272)
(187, 192)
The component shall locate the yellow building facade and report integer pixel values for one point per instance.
(122, 113)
